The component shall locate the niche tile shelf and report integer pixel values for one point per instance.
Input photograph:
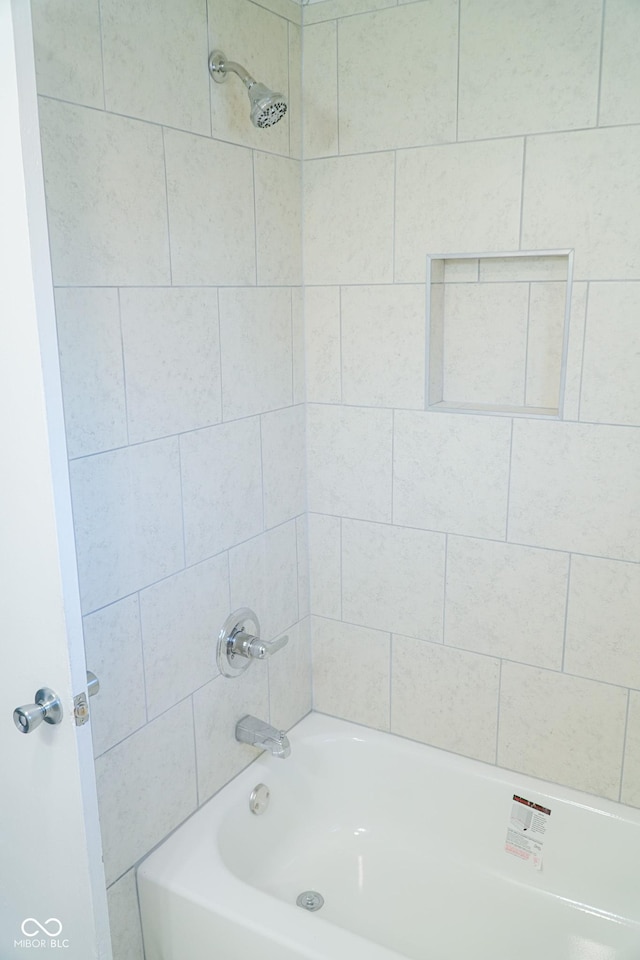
(498, 332)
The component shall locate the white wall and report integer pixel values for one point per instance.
(174, 229)
(475, 580)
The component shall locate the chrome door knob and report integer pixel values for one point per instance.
(47, 707)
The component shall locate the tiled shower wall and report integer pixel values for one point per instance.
(475, 580)
(175, 236)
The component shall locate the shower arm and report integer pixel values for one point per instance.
(219, 69)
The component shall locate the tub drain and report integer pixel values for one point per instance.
(310, 900)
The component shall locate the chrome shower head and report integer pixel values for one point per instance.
(267, 107)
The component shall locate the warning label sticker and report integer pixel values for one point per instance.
(526, 830)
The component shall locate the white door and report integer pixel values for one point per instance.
(52, 895)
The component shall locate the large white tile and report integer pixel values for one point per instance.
(283, 464)
(264, 577)
(295, 87)
(397, 77)
(113, 648)
(393, 578)
(451, 473)
(322, 344)
(278, 219)
(485, 342)
(66, 35)
(302, 542)
(257, 351)
(258, 39)
(506, 601)
(619, 102)
(325, 565)
(146, 787)
(574, 487)
(181, 618)
(320, 90)
(320, 10)
(562, 728)
(155, 61)
(455, 199)
(222, 487)
(106, 200)
(90, 351)
(544, 343)
(351, 672)
(348, 219)
(211, 210)
(349, 461)
(631, 778)
(124, 919)
(290, 691)
(297, 333)
(575, 181)
(127, 512)
(603, 621)
(526, 68)
(217, 707)
(611, 370)
(383, 343)
(172, 360)
(448, 698)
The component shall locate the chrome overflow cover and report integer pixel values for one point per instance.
(310, 900)
(259, 799)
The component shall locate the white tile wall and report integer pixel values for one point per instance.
(393, 578)
(179, 617)
(132, 205)
(448, 698)
(91, 368)
(212, 218)
(256, 343)
(221, 487)
(108, 215)
(562, 728)
(155, 63)
(172, 360)
(383, 331)
(351, 672)
(349, 461)
(506, 601)
(397, 77)
(574, 487)
(451, 473)
(126, 934)
(504, 44)
(350, 238)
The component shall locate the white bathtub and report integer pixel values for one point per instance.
(406, 844)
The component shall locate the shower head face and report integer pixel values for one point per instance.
(267, 107)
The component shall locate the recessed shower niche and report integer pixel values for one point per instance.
(497, 332)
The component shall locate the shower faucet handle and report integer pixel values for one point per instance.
(238, 646)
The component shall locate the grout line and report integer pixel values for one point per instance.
(506, 531)
(182, 503)
(195, 750)
(166, 198)
(124, 380)
(264, 512)
(584, 346)
(524, 164)
(444, 591)
(255, 216)
(390, 718)
(602, 26)
(142, 657)
(526, 347)
(458, 70)
(206, 57)
(566, 613)
(104, 85)
(393, 226)
(624, 745)
(340, 346)
(341, 575)
(220, 368)
(498, 711)
(289, 83)
(338, 85)
(393, 441)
